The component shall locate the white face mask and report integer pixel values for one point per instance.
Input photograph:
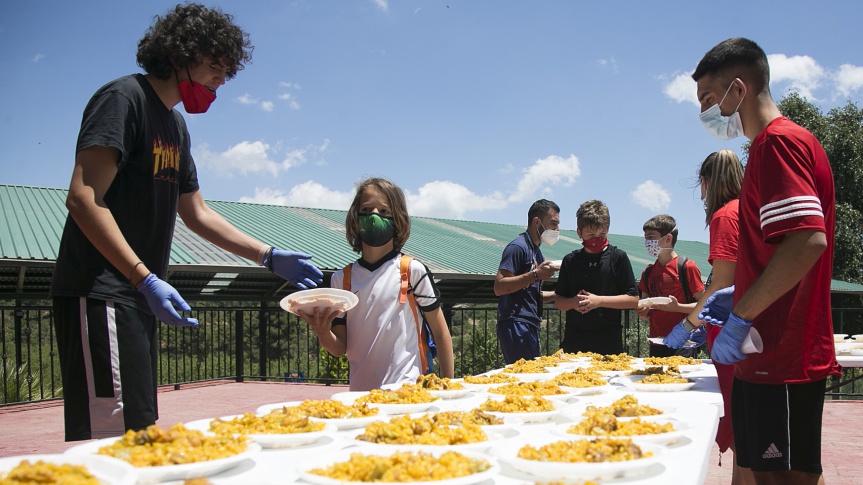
(652, 246)
(548, 236)
(723, 127)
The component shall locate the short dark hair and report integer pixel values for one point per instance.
(541, 208)
(736, 57)
(186, 35)
(664, 224)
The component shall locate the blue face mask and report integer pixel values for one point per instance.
(376, 230)
(723, 127)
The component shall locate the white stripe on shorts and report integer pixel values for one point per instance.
(106, 413)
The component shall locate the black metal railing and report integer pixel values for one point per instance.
(265, 343)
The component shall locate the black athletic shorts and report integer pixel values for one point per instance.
(108, 359)
(778, 427)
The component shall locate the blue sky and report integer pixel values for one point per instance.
(474, 108)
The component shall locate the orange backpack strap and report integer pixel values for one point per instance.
(346, 278)
(405, 270)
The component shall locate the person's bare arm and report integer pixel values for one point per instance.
(794, 257)
(210, 225)
(506, 282)
(588, 301)
(442, 340)
(94, 172)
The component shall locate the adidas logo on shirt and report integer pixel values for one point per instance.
(772, 452)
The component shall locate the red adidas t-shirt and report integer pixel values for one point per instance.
(787, 186)
(664, 281)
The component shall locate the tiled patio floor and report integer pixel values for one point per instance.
(37, 428)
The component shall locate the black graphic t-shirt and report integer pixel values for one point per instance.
(154, 168)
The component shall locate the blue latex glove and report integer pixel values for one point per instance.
(677, 336)
(699, 336)
(718, 307)
(295, 268)
(726, 347)
(161, 297)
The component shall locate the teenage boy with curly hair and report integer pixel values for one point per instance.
(133, 174)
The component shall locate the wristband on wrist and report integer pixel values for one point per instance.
(688, 326)
(535, 276)
(267, 259)
(132, 271)
(263, 253)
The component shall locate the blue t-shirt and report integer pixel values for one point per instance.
(519, 257)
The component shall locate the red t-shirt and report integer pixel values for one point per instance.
(787, 186)
(724, 234)
(664, 281)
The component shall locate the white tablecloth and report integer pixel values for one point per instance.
(683, 464)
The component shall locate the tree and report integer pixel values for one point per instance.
(841, 134)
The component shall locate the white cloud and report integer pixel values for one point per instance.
(291, 100)
(802, 73)
(849, 79)
(381, 4)
(682, 89)
(610, 63)
(38, 57)
(245, 157)
(307, 194)
(247, 99)
(652, 196)
(545, 174)
(439, 198)
(256, 157)
(442, 198)
(289, 85)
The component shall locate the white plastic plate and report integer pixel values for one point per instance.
(156, 474)
(307, 301)
(109, 471)
(271, 440)
(342, 456)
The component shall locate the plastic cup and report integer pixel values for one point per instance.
(752, 344)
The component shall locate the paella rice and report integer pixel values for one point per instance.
(528, 389)
(579, 378)
(498, 378)
(625, 407)
(407, 394)
(664, 379)
(330, 409)
(518, 404)
(45, 473)
(403, 467)
(423, 430)
(522, 366)
(585, 451)
(672, 360)
(597, 424)
(474, 416)
(435, 383)
(272, 423)
(176, 445)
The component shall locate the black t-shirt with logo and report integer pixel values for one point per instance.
(606, 273)
(155, 166)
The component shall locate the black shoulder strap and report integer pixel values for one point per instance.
(684, 280)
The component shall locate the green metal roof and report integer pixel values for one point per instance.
(464, 255)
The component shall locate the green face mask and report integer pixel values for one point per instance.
(376, 230)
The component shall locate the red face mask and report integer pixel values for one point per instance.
(196, 97)
(595, 244)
